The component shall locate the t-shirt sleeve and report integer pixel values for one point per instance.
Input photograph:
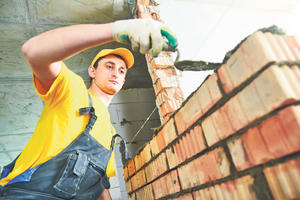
(61, 89)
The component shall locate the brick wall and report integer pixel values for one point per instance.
(236, 137)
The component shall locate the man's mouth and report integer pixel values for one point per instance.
(114, 82)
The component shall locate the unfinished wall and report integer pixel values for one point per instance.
(235, 137)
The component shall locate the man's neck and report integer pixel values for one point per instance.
(102, 96)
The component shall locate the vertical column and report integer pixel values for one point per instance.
(169, 96)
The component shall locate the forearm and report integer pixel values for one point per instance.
(61, 43)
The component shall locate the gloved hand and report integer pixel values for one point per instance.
(144, 34)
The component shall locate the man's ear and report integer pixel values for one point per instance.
(91, 71)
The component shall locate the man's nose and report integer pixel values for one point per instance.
(115, 72)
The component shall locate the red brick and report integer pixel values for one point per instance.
(138, 180)
(182, 150)
(287, 52)
(292, 46)
(169, 94)
(168, 132)
(283, 179)
(290, 121)
(225, 79)
(258, 50)
(204, 97)
(213, 88)
(245, 186)
(274, 89)
(188, 114)
(138, 162)
(222, 162)
(131, 168)
(168, 107)
(167, 82)
(171, 180)
(149, 59)
(163, 61)
(128, 186)
(172, 157)
(255, 146)
(212, 192)
(125, 172)
(192, 145)
(292, 80)
(222, 124)
(219, 193)
(179, 152)
(209, 131)
(194, 175)
(296, 72)
(156, 167)
(162, 73)
(166, 185)
(146, 153)
(278, 51)
(149, 172)
(159, 188)
(160, 141)
(145, 193)
(229, 190)
(185, 147)
(274, 137)
(274, 184)
(197, 139)
(235, 113)
(241, 188)
(251, 103)
(210, 167)
(237, 68)
(199, 195)
(154, 146)
(238, 154)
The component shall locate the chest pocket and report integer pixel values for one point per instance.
(78, 174)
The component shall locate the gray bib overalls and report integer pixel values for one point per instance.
(77, 172)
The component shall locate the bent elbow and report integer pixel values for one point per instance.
(26, 49)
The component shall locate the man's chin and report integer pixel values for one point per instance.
(112, 91)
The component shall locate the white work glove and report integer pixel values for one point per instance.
(143, 35)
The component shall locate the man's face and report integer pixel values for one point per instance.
(110, 74)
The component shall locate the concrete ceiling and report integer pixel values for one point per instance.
(21, 20)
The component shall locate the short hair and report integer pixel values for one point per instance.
(97, 61)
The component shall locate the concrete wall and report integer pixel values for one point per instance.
(129, 110)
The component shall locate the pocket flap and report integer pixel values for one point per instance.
(81, 164)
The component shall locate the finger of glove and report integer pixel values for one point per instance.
(135, 45)
(157, 42)
(145, 43)
(171, 37)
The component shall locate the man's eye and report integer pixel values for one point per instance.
(110, 66)
(122, 71)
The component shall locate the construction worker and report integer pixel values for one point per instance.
(70, 154)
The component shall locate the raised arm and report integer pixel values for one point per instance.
(43, 52)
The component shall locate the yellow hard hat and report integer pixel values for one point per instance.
(123, 52)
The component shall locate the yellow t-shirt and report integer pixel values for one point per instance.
(60, 123)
